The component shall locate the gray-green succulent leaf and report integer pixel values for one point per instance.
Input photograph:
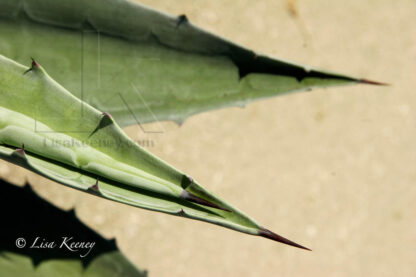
(141, 65)
(46, 129)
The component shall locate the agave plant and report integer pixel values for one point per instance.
(94, 155)
(141, 65)
(151, 66)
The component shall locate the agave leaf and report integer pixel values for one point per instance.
(28, 217)
(141, 65)
(46, 129)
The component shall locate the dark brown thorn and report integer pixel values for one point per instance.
(108, 115)
(273, 236)
(33, 66)
(21, 150)
(195, 199)
(181, 213)
(105, 120)
(95, 187)
(34, 63)
(369, 82)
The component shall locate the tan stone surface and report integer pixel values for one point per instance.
(332, 169)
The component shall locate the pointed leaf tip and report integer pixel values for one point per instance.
(369, 82)
(273, 236)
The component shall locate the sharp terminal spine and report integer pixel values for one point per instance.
(369, 82)
(273, 236)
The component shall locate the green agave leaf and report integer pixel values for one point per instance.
(48, 130)
(141, 65)
(29, 217)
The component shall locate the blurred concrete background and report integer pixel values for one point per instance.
(333, 169)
